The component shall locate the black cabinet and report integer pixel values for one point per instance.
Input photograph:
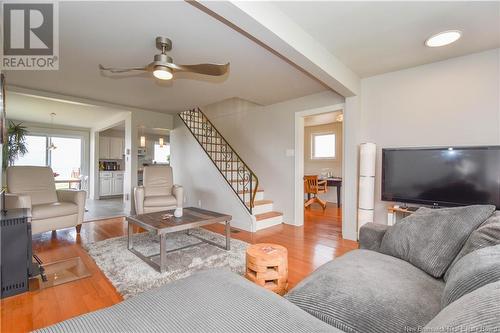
(15, 255)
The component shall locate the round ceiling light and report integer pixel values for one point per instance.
(443, 38)
(163, 73)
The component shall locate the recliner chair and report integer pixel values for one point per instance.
(158, 191)
(33, 187)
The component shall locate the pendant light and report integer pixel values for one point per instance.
(51, 146)
(142, 139)
(161, 142)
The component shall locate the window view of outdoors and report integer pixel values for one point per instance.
(161, 154)
(65, 160)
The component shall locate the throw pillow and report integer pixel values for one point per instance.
(488, 234)
(471, 272)
(431, 240)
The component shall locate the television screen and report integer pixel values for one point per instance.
(450, 176)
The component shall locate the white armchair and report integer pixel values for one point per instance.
(158, 191)
(33, 187)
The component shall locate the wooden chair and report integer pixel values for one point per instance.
(313, 186)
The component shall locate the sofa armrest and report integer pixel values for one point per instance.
(371, 235)
(139, 199)
(178, 193)
(74, 196)
(13, 201)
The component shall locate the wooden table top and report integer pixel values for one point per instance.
(192, 217)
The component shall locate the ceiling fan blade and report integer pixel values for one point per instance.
(122, 70)
(206, 69)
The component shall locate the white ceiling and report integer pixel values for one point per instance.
(122, 34)
(38, 109)
(378, 37)
(321, 119)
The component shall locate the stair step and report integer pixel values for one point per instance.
(261, 202)
(268, 215)
(246, 192)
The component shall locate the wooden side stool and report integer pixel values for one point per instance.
(267, 266)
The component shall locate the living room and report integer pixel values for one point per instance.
(236, 167)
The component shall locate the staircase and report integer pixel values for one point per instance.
(238, 175)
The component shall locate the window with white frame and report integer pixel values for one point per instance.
(64, 156)
(161, 153)
(322, 146)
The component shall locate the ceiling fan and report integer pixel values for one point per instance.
(163, 67)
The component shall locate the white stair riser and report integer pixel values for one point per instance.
(262, 209)
(258, 196)
(263, 224)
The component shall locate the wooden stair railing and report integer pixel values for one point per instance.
(231, 166)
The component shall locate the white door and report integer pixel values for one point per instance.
(103, 147)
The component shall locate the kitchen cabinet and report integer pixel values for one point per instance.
(103, 147)
(111, 148)
(116, 148)
(110, 183)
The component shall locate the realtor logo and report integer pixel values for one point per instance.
(30, 36)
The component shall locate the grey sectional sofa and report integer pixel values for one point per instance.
(366, 290)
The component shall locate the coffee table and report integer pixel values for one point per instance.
(192, 218)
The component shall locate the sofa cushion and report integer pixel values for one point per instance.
(432, 238)
(471, 272)
(210, 301)
(366, 291)
(488, 234)
(160, 201)
(56, 209)
(477, 311)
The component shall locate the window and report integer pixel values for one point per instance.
(323, 146)
(37, 154)
(65, 160)
(161, 154)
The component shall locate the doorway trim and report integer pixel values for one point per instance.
(299, 158)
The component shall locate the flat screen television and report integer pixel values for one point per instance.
(448, 176)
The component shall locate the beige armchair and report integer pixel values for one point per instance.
(158, 191)
(33, 187)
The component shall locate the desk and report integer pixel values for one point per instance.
(335, 182)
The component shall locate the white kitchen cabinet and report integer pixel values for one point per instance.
(105, 183)
(111, 148)
(116, 148)
(104, 147)
(111, 183)
(117, 187)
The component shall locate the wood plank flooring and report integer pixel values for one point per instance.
(310, 246)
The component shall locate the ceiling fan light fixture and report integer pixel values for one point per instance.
(163, 73)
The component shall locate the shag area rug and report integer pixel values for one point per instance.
(130, 275)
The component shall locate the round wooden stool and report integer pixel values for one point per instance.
(267, 266)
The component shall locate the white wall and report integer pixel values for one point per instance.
(452, 102)
(261, 135)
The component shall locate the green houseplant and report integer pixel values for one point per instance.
(16, 144)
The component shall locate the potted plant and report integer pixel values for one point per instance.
(16, 144)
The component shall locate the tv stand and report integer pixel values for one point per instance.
(396, 213)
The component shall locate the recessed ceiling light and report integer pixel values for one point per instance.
(443, 38)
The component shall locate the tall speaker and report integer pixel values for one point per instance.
(366, 193)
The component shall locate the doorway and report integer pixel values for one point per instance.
(319, 147)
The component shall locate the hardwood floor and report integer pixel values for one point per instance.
(310, 246)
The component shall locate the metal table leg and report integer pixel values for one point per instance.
(163, 253)
(228, 235)
(130, 232)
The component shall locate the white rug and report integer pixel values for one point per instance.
(130, 275)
